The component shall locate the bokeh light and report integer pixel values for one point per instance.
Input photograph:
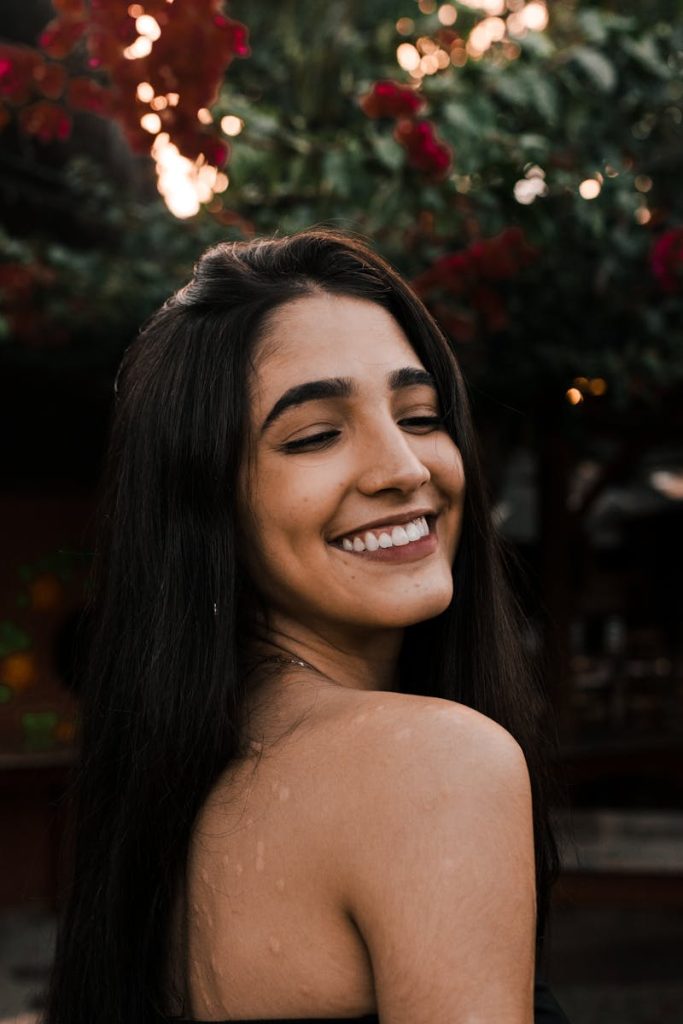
(142, 47)
(151, 123)
(408, 56)
(404, 26)
(535, 16)
(145, 92)
(590, 188)
(148, 26)
(231, 125)
(447, 14)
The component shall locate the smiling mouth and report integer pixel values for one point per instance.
(411, 535)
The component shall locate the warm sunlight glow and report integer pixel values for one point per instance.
(185, 184)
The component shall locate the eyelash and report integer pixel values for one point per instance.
(320, 441)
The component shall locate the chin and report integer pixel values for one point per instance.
(408, 613)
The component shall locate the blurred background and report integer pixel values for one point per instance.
(521, 163)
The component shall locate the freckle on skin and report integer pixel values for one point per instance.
(274, 944)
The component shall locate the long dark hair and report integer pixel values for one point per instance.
(163, 702)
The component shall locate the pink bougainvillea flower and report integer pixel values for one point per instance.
(389, 99)
(666, 260)
(426, 152)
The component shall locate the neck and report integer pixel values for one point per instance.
(367, 661)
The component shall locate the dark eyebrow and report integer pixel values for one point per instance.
(342, 387)
(330, 387)
(410, 377)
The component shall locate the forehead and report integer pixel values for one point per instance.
(326, 335)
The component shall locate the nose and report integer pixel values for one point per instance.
(389, 462)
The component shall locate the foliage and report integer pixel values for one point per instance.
(477, 162)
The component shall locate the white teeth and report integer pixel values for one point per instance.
(399, 537)
(414, 532)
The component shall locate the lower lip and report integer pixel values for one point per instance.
(411, 552)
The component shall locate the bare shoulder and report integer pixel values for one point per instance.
(395, 731)
(435, 859)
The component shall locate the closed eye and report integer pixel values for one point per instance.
(315, 442)
(426, 422)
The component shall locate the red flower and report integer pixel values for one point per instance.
(59, 37)
(425, 151)
(50, 79)
(86, 94)
(465, 276)
(666, 260)
(45, 120)
(18, 66)
(389, 99)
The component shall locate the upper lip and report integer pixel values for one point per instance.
(395, 520)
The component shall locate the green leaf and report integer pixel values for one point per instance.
(646, 53)
(390, 154)
(597, 66)
(12, 638)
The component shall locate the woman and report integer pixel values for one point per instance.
(313, 779)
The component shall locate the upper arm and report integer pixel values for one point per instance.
(441, 880)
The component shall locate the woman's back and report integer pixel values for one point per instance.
(269, 928)
(267, 932)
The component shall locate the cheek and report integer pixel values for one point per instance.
(448, 469)
(290, 508)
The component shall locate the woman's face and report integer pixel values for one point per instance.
(349, 466)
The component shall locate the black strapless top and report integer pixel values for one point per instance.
(547, 1010)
